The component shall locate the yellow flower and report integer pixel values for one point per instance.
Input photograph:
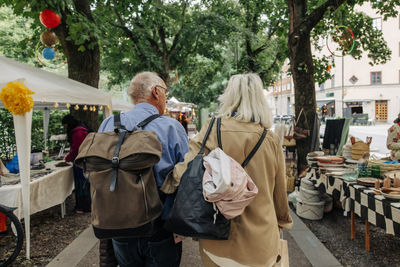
(16, 98)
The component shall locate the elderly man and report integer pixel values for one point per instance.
(149, 94)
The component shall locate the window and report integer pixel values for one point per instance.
(376, 77)
(333, 81)
(377, 24)
(399, 76)
(322, 86)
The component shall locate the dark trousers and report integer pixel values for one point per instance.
(82, 191)
(107, 256)
(146, 252)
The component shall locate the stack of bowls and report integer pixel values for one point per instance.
(309, 203)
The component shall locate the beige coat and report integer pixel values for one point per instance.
(254, 237)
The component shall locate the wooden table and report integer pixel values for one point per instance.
(374, 209)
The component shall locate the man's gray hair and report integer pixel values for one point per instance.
(142, 84)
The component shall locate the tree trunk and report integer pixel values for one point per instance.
(302, 68)
(83, 66)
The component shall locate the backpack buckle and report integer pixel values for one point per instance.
(115, 162)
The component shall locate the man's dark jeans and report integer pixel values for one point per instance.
(147, 252)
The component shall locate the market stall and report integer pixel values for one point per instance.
(50, 91)
(48, 188)
(361, 189)
(375, 209)
(121, 105)
(183, 111)
(335, 186)
(174, 107)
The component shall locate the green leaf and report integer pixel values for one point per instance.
(81, 48)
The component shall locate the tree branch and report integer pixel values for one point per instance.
(317, 15)
(161, 33)
(260, 49)
(269, 36)
(272, 30)
(277, 56)
(177, 62)
(129, 33)
(178, 35)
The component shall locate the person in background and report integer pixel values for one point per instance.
(76, 133)
(149, 93)
(393, 139)
(254, 236)
(183, 120)
(3, 223)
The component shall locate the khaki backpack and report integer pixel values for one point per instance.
(119, 165)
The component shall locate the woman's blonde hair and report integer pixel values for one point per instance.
(244, 100)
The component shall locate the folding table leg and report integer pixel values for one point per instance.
(367, 247)
(62, 209)
(352, 225)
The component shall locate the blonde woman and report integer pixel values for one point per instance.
(254, 236)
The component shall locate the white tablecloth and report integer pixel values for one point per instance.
(46, 191)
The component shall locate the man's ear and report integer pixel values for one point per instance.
(155, 93)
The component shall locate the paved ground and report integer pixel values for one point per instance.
(191, 257)
(304, 250)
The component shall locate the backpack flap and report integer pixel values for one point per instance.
(133, 162)
(138, 143)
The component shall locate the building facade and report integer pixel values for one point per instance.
(356, 88)
(281, 94)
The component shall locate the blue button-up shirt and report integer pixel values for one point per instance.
(170, 133)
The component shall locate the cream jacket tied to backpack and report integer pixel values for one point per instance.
(227, 184)
(119, 165)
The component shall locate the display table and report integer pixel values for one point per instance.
(45, 192)
(360, 200)
(373, 209)
(334, 186)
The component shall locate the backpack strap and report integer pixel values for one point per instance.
(148, 120)
(117, 123)
(253, 152)
(201, 152)
(115, 160)
(219, 132)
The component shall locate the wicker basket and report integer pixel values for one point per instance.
(384, 167)
(290, 184)
(358, 150)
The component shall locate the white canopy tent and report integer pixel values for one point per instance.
(175, 105)
(121, 105)
(49, 88)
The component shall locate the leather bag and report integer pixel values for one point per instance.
(301, 133)
(288, 139)
(191, 215)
